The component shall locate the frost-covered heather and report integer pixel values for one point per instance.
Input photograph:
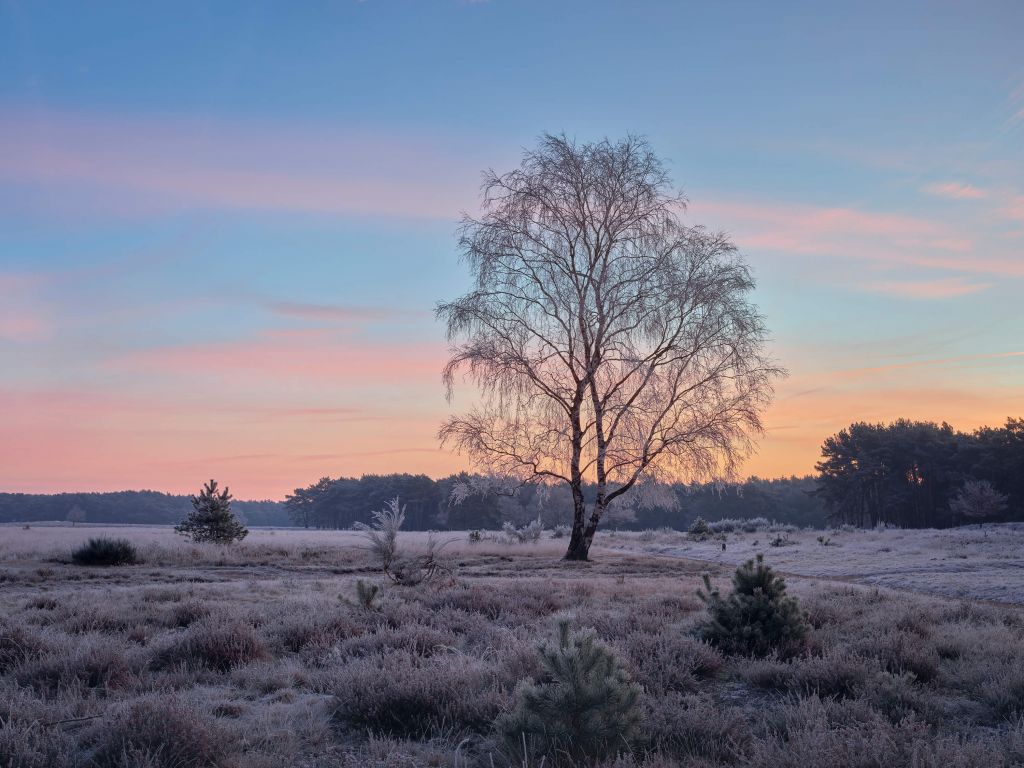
(262, 655)
(982, 562)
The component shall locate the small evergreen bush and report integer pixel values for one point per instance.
(700, 529)
(584, 709)
(757, 618)
(104, 551)
(211, 518)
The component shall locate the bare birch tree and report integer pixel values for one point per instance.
(611, 344)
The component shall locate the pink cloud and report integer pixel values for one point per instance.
(68, 439)
(306, 357)
(191, 163)
(24, 317)
(343, 313)
(954, 190)
(927, 289)
(1013, 208)
(850, 234)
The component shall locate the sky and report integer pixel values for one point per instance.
(224, 226)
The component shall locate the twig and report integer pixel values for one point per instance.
(70, 720)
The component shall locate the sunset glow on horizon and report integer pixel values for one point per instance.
(224, 231)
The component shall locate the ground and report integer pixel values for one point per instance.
(260, 654)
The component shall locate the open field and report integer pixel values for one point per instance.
(979, 562)
(259, 654)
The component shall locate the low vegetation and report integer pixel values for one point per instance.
(211, 518)
(757, 617)
(104, 551)
(197, 662)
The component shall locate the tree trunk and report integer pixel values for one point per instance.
(582, 536)
(579, 545)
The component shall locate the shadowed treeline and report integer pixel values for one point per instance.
(922, 475)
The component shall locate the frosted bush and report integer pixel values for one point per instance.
(529, 533)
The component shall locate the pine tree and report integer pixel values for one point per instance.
(758, 617)
(211, 518)
(584, 709)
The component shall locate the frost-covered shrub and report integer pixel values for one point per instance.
(217, 643)
(400, 693)
(160, 732)
(366, 593)
(668, 661)
(104, 551)
(757, 617)
(733, 524)
(382, 535)
(529, 533)
(560, 531)
(96, 662)
(583, 709)
(978, 500)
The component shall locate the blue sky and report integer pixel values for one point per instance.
(223, 226)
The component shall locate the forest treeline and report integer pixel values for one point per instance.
(342, 502)
(907, 473)
(123, 507)
(916, 474)
(430, 504)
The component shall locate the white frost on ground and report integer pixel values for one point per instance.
(978, 562)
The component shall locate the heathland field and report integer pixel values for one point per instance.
(265, 654)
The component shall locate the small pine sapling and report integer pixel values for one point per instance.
(700, 529)
(757, 618)
(584, 709)
(211, 518)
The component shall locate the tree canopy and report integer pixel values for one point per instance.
(609, 342)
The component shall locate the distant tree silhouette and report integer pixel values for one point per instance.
(211, 518)
(76, 515)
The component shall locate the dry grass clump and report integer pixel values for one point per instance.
(94, 662)
(160, 732)
(19, 643)
(670, 661)
(217, 643)
(33, 745)
(406, 695)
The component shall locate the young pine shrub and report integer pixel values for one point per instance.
(211, 518)
(104, 551)
(584, 709)
(700, 529)
(757, 618)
